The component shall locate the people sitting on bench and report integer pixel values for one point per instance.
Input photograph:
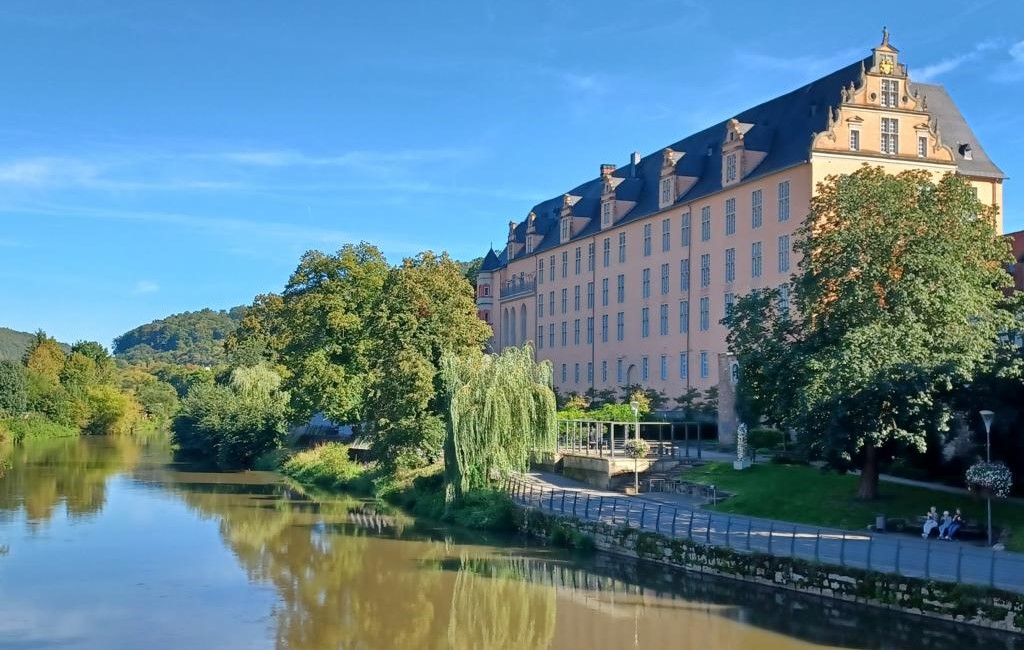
(955, 525)
(944, 523)
(931, 522)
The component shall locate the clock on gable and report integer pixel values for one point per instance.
(886, 66)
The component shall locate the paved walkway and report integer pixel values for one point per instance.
(682, 517)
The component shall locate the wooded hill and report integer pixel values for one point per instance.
(192, 337)
(13, 344)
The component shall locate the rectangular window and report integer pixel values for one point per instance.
(551, 335)
(540, 306)
(606, 213)
(784, 254)
(705, 370)
(730, 265)
(755, 260)
(730, 168)
(604, 371)
(664, 279)
(590, 256)
(664, 367)
(784, 201)
(565, 333)
(854, 139)
(666, 191)
(890, 136)
(684, 274)
(551, 303)
(644, 368)
(645, 322)
(576, 373)
(666, 235)
(590, 372)
(705, 314)
(890, 93)
(604, 328)
(663, 320)
(922, 146)
(551, 268)
(619, 375)
(540, 337)
(565, 375)
(590, 330)
(756, 210)
(590, 295)
(784, 297)
(684, 316)
(730, 216)
(604, 292)
(576, 332)
(705, 223)
(620, 326)
(565, 300)
(684, 365)
(540, 268)
(647, 240)
(576, 298)
(622, 248)
(566, 229)
(730, 299)
(620, 290)
(685, 229)
(705, 270)
(565, 264)
(606, 252)
(579, 256)
(646, 282)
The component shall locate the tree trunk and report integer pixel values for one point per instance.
(868, 488)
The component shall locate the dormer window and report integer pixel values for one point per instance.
(730, 167)
(607, 213)
(566, 226)
(890, 93)
(666, 192)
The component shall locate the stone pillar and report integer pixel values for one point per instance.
(727, 418)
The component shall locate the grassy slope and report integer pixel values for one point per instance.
(810, 496)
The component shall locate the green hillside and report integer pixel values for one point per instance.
(192, 337)
(13, 344)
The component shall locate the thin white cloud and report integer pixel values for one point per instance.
(1012, 70)
(145, 286)
(930, 72)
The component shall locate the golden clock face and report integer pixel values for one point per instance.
(885, 66)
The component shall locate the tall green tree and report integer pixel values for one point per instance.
(898, 298)
(13, 391)
(426, 309)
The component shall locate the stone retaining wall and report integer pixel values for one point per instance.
(954, 602)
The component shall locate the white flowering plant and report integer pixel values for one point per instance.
(994, 478)
(637, 448)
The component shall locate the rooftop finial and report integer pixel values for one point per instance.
(885, 36)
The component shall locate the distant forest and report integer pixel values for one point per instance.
(192, 337)
(13, 344)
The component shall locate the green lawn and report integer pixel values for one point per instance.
(808, 495)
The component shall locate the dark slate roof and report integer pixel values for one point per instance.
(783, 128)
(954, 131)
(490, 262)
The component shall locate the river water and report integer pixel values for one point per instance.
(108, 543)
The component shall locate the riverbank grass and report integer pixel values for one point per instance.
(33, 427)
(809, 495)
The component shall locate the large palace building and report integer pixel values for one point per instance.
(623, 280)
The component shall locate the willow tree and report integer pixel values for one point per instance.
(500, 408)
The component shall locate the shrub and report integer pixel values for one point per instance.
(327, 465)
(765, 438)
(32, 427)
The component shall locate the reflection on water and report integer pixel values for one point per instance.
(111, 544)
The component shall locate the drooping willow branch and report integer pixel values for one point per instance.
(500, 408)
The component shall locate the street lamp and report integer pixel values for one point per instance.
(635, 406)
(987, 417)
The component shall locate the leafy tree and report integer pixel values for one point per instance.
(157, 399)
(426, 309)
(898, 296)
(235, 423)
(13, 391)
(111, 411)
(471, 269)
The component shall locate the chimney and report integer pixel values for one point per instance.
(607, 170)
(634, 162)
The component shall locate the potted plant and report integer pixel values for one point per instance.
(989, 479)
(636, 449)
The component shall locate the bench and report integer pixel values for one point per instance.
(971, 529)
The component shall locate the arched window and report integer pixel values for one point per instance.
(522, 324)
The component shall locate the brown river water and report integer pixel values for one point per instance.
(109, 543)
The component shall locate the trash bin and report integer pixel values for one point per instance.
(880, 523)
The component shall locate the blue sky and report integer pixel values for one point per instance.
(158, 157)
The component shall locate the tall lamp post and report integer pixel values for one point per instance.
(987, 417)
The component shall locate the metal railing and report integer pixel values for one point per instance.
(910, 557)
(511, 289)
(601, 438)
